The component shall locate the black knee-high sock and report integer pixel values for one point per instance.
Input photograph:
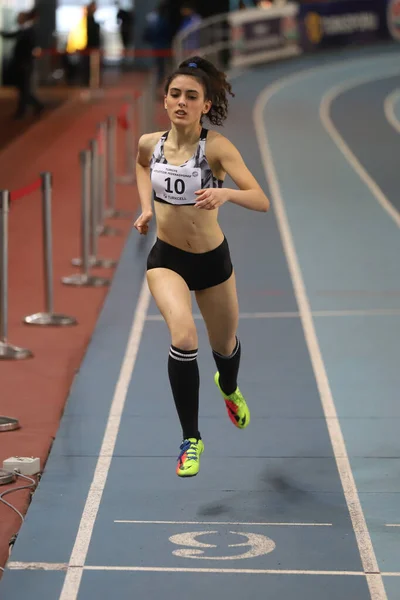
(228, 367)
(184, 377)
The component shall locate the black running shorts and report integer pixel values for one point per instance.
(200, 271)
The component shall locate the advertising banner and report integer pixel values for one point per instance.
(259, 36)
(345, 22)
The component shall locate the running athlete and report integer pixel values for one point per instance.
(184, 169)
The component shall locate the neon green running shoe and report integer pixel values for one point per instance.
(236, 406)
(189, 458)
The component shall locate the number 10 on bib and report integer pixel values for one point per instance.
(176, 185)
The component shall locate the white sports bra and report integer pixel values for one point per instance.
(177, 185)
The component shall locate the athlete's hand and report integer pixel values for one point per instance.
(142, 222)
(211, 198)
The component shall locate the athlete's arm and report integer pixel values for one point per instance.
(145, 147)
(249, 195)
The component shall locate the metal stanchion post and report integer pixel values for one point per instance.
(111, 133)
(143, 108)
(102, 176)
(148, 100)
(112, 212)
(147, 104)
(84, 278)
(130, 142)
(7, 351)
(48, 317)
(94, 190)
(152, 90)
(94, 261)
(95, 66)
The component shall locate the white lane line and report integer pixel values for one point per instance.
(393, 525)
(36, 566)
(259, 315)
(26, 566)
(325, 108)
(20, 566)
(373, 312)
(225, 523)
(364, 542)
(389, 111)
(238, 571)
(77, 560)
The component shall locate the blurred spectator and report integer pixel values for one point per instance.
(126, 21)
(189, 18)
(22, 62)
(93, 40)
(189, 15)
(158, 34)
(92, 28)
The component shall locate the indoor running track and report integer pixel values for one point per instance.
(305, 503)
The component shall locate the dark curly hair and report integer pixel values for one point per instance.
(214, 82)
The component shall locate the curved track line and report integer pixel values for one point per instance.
(389, 111)
(364, 542)
(324, 113)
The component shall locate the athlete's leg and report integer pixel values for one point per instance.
(173, 299)
(220, 309)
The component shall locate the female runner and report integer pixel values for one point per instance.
(184, 169)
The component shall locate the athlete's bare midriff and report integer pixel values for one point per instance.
(188, 228)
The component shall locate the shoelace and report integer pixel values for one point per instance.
(238, 398)
(189, 448)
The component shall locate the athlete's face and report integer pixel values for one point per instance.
(185, 101)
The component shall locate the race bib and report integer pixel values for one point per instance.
(176, 185)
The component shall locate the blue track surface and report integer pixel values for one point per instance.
(303, 503)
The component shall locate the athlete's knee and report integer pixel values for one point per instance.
(225, 347)
(185, 337)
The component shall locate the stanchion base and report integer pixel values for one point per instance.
(80, 280)
(105, 263)
(50, 319)
(9, 424)
(8, 352)
(119, 214)
(106, 230)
